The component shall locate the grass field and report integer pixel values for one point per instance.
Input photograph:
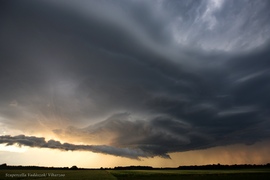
(256, 174)
(57, 174)
(191, 174)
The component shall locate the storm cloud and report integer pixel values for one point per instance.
(39, 142)
(135, 78)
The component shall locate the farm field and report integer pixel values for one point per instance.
(137, 174)
(57, 174)
(191, 174)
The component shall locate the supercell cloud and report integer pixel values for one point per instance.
(135, 78)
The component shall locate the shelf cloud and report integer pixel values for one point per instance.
(39, 142)
(135, 78)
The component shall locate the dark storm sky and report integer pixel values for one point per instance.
(135, 78)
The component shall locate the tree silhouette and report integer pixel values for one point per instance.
(74, 167)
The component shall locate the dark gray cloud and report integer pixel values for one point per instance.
(155, 76)
(40, 142)
(160, 135)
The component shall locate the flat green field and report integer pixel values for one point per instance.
(57, 174)
(192, 174)
(256, 174)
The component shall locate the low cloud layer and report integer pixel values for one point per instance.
(142, 77)
(40, 142)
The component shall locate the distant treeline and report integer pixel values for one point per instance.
(195, 167)
(219, 166)
(134, 168)
(5, 166)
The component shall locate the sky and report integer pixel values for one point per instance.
(163, 83)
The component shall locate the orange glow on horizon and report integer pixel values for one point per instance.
(233, 154)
